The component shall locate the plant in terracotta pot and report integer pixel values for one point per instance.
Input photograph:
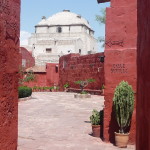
(84, 83)
(123, 103)
(97, 123)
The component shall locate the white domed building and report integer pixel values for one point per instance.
(61, 34)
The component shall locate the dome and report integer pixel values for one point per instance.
(64, 18)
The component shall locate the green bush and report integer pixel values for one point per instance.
(123, 105)
(24, 91)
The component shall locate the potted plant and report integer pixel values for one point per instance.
(123, 103)
(66, 86)
(83, 84)
(97, 123)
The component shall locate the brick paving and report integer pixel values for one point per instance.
(58, 121)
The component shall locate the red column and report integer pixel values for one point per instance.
(9, 60)
(143, 61)
(120, 58)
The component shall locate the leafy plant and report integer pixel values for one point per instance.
(66, 85)
(123, 105)
(95, 117)
(25, 76)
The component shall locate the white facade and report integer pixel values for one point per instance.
(61, 34)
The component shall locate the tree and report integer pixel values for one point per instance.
(101, 19)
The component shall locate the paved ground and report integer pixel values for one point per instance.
(57, 121)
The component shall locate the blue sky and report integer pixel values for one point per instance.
(33, 10)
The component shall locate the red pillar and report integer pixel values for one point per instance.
(120, 58)
(143, 60)
(9, 57)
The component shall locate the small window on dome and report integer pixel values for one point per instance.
(59, 29)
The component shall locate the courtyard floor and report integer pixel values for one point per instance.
(57, 121)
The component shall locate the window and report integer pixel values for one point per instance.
(79, 51)
(59, 29)
(48, 50)
(89, 52)
(23, 62)
(56, 68)
(69, 51)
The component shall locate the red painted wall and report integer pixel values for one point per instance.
(9, 60)
(52, 74)
(74, 67)
(120, 59)
(143, 97)
(26, 55)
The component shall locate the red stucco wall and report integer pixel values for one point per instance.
(52, 74)
(143, 98)
(26, 55)
(9, 60)
(74, 67)
(120, 58)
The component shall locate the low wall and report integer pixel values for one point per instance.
(74, 67)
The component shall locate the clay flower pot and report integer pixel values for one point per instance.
(121, 139)
(96, 130)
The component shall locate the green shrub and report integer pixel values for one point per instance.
(51, 88)
(24, 91)
(84, 92)
(66, 85)
(34, 88)
(123, 105)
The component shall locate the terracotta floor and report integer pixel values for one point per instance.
(57, 121)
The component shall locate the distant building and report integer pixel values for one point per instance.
(60, 34)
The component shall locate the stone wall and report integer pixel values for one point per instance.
(120, 59)
(9, 60)
(143, 59)
(74, 67)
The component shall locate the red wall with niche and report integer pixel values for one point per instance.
(143, 60)
(74, 67)
(9, 60)
(120, 59)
